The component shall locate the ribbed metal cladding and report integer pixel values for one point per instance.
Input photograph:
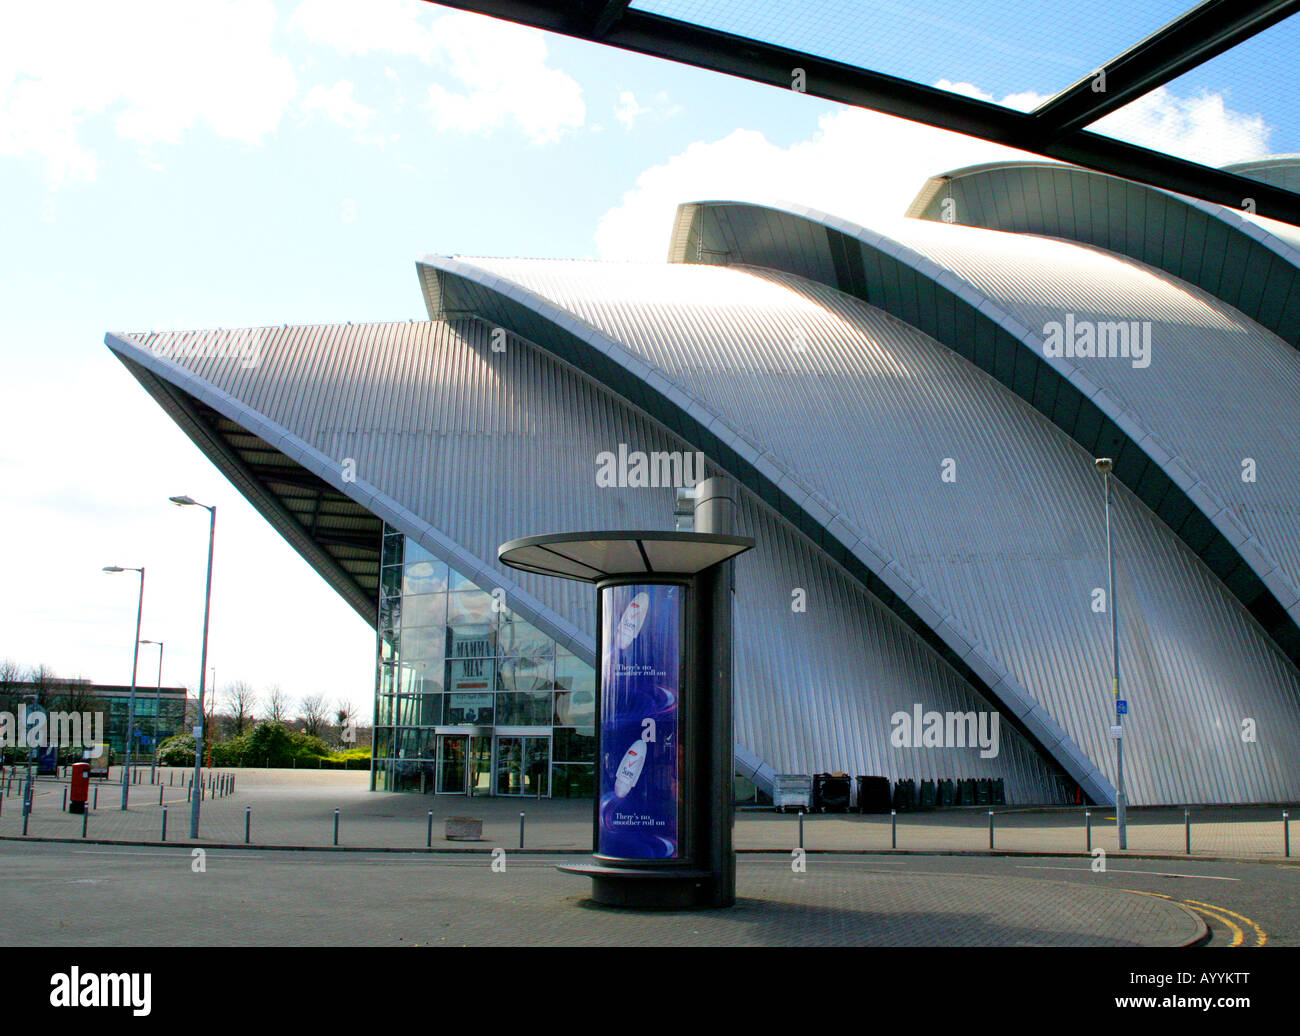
(914, 286)
(487, 445)
(857, 412)
(1220, 389)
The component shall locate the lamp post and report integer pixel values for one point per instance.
(185, 501)
(135, 661)
(157, 708)
(1106, 465)
(32, 702)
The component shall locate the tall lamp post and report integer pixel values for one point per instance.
(135, 661)
(157, 708)
(185, 501)
(1106, 465)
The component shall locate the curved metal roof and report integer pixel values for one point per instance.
(1178, 428)
(1279, 170)
(461, 445)
(1249, 262)
(841, 417)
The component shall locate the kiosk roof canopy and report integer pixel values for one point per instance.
(593, 556)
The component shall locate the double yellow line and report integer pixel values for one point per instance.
(1221, 914)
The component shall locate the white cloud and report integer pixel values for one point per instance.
(499, 71)
(860, 165)
(506, 78)
(386, 26)
(156, 67)
(337, 104)
(1201, 128)
(867, 167)
(629, 110)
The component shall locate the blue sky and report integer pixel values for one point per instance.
(247, 162)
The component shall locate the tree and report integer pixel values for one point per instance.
(42, 679)
(345, 713)
(314, 714)
(242, 699)
(11, 675)
(277, 704)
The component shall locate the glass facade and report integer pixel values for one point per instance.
(471, 698)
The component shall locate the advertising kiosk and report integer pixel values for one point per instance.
(663, 805)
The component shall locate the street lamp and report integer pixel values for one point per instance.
(135, 661)
(1106, 465)
(185, 501)
(157, 708)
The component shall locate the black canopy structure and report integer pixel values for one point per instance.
(593, 556)
(827, 40)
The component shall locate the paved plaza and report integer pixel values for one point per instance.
(296, 808)
(88, 896)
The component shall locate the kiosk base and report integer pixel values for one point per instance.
(647, 888)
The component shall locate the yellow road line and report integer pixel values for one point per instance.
(1261, 937)
(1237, 934)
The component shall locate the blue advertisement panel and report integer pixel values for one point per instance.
(639, 744)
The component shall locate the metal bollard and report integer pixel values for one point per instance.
(1286, 834)
(990, 829)
(85, 817)
(521, 829)
(164, 826)
(1087, 824)
(801, 829)
(188, 792)
(893, 829)
(65, 800)
(428, 838)
(96, 805)
(1187, 831)
(336, 827)
(160, 793)
(248, 822)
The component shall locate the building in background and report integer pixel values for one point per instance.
(912, 415)
(159, 712)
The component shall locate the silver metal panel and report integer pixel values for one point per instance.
(466, 447)
(862, 410)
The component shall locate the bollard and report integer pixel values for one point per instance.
(1187, 831)
(1087, 824)
(521, 829)
(96, 805)
(336, 827)
(160, 793)
(990, 829)
(248, 822)
(1286, 834)
(188, 793)
(428, 838)
(26, 813)
(893, 829)
(164, 829)
(84, 818)
(800, 829)
(65, 800)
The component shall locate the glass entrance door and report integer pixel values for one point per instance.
(480, 765)
(523, 766)
(451, 763)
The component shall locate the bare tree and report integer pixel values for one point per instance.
(11, 675)
(242, 699)
(315, 713)
(345, 714)
(42, 679)
(277, 704)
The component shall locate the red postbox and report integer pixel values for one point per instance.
(80, 790)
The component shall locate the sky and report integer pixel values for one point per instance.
(250, 162)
